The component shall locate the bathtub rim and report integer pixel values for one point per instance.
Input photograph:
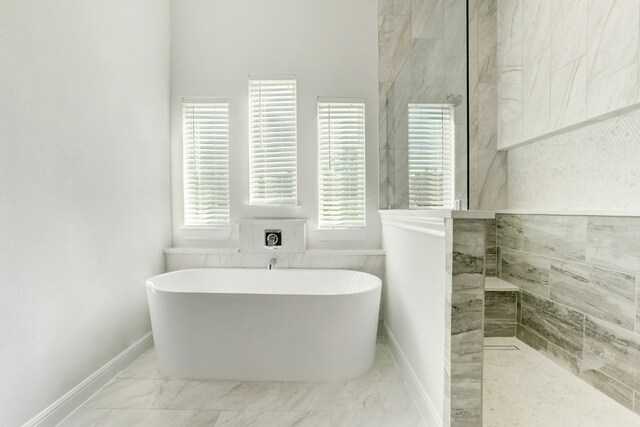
(377, 282)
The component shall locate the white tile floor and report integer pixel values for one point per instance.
(142, 396)
(524, 388)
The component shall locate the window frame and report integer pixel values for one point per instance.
(259, 204)
(336, 232)
(204, 231)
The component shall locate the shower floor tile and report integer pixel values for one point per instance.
(524, 388)
(141, 395)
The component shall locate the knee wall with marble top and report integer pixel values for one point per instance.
(578, 302)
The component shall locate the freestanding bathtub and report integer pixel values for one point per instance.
(259, 325)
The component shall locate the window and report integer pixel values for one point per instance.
(341, 165)
(272, 136)
(431, 156)
(206, 163)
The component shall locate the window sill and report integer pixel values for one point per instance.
(206, 233)
(341, 235)
(268, 211)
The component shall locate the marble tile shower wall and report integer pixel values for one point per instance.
(487, 166)
(422, 58)
(561, 63)
(422, 55)
(579, 278)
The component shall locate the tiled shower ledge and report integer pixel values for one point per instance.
(495, 284)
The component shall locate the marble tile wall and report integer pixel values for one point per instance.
(579, 278)
(487, 166)
(563, 63)
(464, 307)
(500, 313)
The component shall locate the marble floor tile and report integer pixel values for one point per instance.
(142, 394)
(84, 417)
(395, 397)
(376, 419)
(159, 418)
(545, 394)
(144, 367)
(356, 395)
(273, 419)
(227, 395)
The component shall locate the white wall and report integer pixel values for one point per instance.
(414, 310)
(331, 45)
(84, 188)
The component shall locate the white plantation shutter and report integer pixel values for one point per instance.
(273, 137)
(206, 162)
(341, 165)
(431, 139)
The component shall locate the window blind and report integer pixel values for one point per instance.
(431, 155)
(272, 136)
(206, 163)
(341, 165)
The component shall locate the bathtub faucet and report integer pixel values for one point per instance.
(273, 261)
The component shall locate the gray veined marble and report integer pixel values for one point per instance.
(466, 327)
(554, 322)
(500, 306)
(468, 255)
(638, 303)
(274, 419)
(607, 385)
(139, 394)
(528, 271)
(530, 338)
(509, 231)
(159, 418)
(613, 350)
(606, 294)
(466, 387)
(490, 233)
(613, 36)
(614, 242)
(491, 262)
(562, 237)
(499, 329)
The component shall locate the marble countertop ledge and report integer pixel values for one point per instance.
(567, 213)
(374, 252)
(437, 213)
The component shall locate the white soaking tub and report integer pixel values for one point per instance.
(258, 325)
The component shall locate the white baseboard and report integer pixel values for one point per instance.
(74, 398)
(418, 393)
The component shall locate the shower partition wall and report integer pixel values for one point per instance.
(424, 156)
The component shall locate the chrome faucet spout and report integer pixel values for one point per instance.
(272, 262)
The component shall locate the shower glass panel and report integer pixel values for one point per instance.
(426, 148)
